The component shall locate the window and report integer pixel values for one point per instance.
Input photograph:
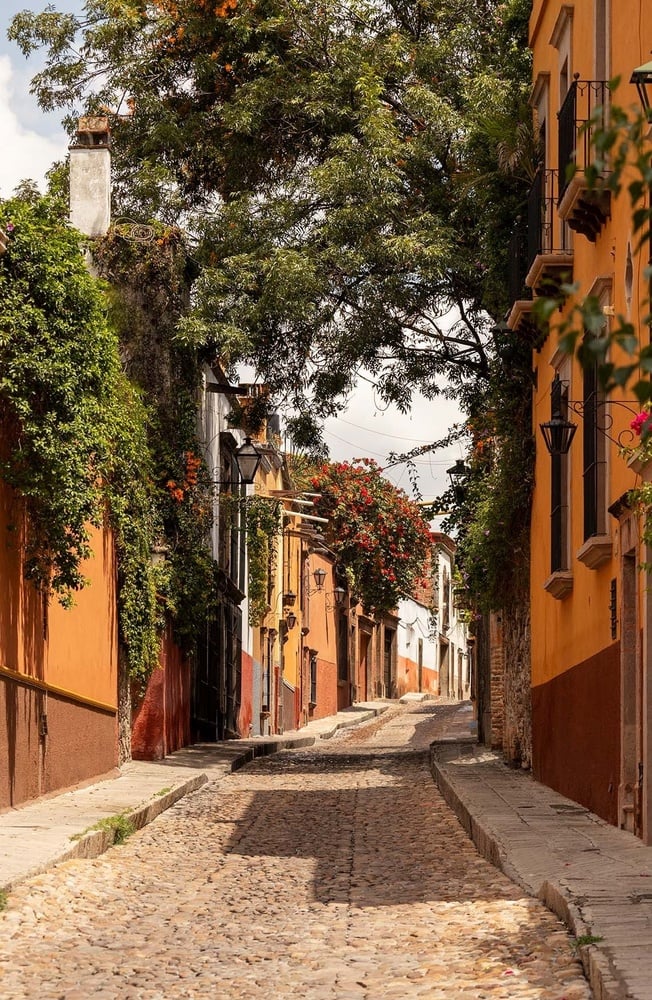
(559, 489)
(594, 458)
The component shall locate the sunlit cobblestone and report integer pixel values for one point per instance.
(335, 872)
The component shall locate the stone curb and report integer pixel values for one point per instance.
(599, 971)
(93, 843)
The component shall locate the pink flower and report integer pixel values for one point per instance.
(642, 424)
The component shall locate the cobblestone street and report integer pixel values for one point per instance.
(334, 872)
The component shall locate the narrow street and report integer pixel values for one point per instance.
(335, 872)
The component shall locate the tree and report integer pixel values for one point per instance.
(337, 165)
(377, 533)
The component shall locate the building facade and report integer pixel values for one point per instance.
(590, 615)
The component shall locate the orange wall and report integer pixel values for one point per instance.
(570, 631)
(407, 677)
(72, 650)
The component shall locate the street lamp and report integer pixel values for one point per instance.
(458, 474)
(247, 459)
(319, 577)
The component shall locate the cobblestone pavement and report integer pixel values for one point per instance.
(335, 872)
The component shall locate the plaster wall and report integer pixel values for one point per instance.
(574, 629)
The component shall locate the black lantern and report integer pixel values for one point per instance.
(248, 459)
(558, 435)
(457, 474)
(319, 577)
(338, 594)
(642, 77)
(291, 620)
(558, 432)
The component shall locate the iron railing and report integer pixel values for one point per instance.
(517, 265)
(542, 198)
(584, 109)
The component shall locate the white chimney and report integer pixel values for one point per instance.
(90, 177)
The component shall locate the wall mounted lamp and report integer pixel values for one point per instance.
(642, 77)
(247, 458)
(338, 595)
(458, 473)
(558, 432)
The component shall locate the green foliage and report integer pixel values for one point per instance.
(150, 281)
(350, 175)
(119, 828)
(260, 518)
(263, 524)
(4, 900)
(490, 513)
(77, 448)
(583, 940)
(376, 532)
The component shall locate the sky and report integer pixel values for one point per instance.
(32, 141)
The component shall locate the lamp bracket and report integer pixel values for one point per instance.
(625, 437)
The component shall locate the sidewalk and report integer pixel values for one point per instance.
(596, 878)
(35, 836)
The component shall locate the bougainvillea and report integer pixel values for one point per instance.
(376, 531)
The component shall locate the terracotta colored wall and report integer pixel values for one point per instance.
(161, 718)
(326, 690)
(407, 677)
(575, 655)
(576, 751)
(80, 743)
(245, 717)
(576, 628)
(69, 662)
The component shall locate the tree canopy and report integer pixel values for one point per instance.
(349, 173)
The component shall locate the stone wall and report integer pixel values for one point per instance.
(517, 701)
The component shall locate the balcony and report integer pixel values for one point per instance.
(520, 296)
(584, 209)
(549, 260)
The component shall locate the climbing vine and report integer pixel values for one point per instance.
(77, 450)
(150, 272)
(260, 518)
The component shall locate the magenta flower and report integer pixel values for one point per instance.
(641, 424)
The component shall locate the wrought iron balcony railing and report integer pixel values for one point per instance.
(584, 108)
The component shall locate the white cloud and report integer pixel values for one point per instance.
(25, 153)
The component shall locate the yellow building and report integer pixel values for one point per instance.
(591, 615)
